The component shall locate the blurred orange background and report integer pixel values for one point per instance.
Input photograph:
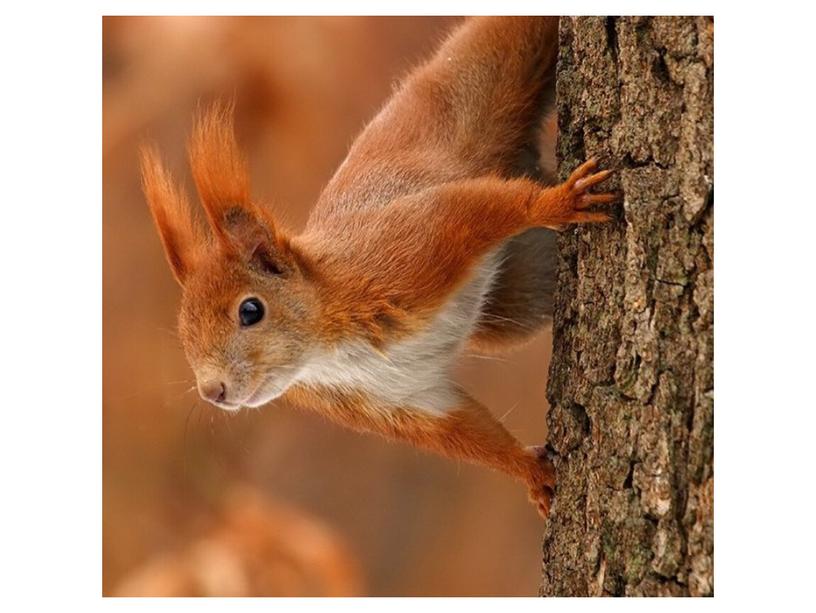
(277, 501)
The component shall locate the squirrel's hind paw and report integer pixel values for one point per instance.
(542, 486)
(542, 499)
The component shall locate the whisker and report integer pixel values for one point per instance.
(200, 414)
(169, 331)
(492, 358)
(513, 408)
(489, 317)
(182, 394)
(179, 382)
(184, 438)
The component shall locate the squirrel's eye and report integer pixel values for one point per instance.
(250, 312)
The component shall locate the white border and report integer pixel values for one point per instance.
(50, 448)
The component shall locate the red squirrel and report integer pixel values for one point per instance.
(428, 239)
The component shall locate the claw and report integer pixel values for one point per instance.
(575, 198)
(589, 200)
(581, 171)
(578, 185)
(587, 182)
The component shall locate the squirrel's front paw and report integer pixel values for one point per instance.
(576, 197)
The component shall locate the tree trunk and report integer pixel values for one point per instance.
(631, 379)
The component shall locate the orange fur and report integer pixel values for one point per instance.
(171, 212)
(427, 261)
(469, 432)
(434, 184)
(219, 168)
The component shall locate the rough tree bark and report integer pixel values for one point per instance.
(631, 379)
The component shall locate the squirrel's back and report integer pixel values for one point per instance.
(483, 105)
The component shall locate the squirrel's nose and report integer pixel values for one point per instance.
(213, 390)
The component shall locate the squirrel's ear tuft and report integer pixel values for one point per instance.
(222, 179)
(171, 213)
(219, 168)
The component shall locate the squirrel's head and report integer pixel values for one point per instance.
(248, 305)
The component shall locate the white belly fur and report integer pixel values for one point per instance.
(412, 372)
